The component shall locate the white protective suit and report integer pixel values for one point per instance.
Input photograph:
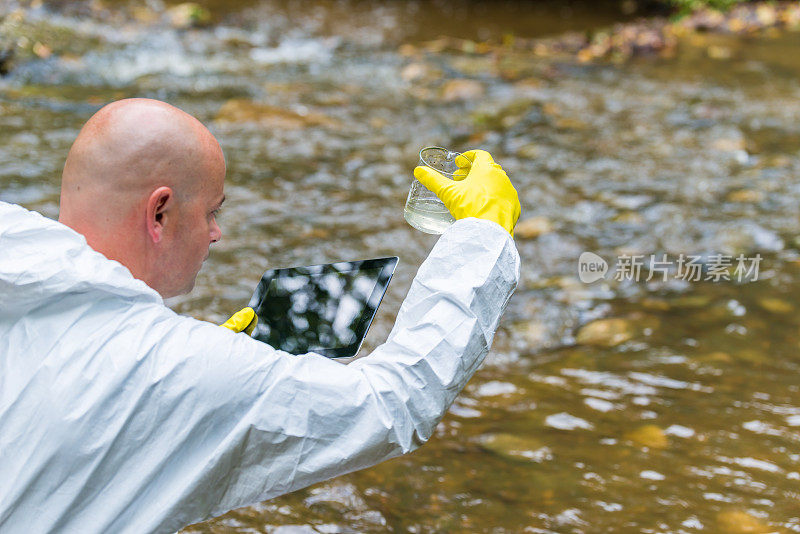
(118, 415)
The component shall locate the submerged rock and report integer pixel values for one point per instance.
(651, 436)
(745, 196)
(606, 332)
(534, 332)
(533, 227)
(514, 447)
(243, 111)
(691, 301)
(413, 71)
(776, 305)
(188, 15)
(739, 522)
(716, 357)
(455, 90)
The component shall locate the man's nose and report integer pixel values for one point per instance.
(216, 233)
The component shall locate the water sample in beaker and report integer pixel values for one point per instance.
(424, 211)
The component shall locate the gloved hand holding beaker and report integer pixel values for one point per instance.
(485, 192)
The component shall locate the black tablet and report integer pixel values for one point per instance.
(325, 309)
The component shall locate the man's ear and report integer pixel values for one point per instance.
(158, 203)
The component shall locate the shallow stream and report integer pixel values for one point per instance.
(677, 409)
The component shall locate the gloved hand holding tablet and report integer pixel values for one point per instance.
(325, 309)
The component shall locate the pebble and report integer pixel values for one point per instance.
(188, 15)
(240, 110)
(649, 436)
(655, 304)
(739, 522)
(719, 52)
(455, 90)
(413, 71)
(629, 217)
(605, 332)
(515, 447)
(534, 333)
(717, 356)
(775, 305)
(691, 301)
(533, 227)
(42, 50)
(745, 196)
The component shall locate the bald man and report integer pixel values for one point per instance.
(143, 183)
(118, 415)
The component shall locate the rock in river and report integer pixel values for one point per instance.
(516, 447)
(533, 227)
(189, 15)
(244, 111)
(738, 522)
(606, 332)
(649, 436)
(775, 305)
(455, 90)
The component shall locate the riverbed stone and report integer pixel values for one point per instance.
(42, 50)
(533, 227)
(606, 332)
(716, 356)
(473, 65)
(745, 196)
(240, 110)
(629, 217)
(729, 144)
(740, 522)
(655, 304)
(513, 447)
(145, 14)
(719, 52)
(413, 71)
(455, 90)
(752, 355)
(534, 332)
(188, 15)
(691, 301)
(529, 151)
(776, 305)
(651, 436)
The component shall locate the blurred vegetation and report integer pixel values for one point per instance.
(686, 7)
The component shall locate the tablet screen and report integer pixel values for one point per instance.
(325, 309)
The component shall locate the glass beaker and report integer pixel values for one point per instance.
(424, 211)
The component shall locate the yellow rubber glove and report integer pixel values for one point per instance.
(481, 189)
(245, 320)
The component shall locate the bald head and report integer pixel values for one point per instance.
(131, 146)
(136, 166)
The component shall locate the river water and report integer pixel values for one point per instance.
(624, 405)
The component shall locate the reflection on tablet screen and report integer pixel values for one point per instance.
(323, 308)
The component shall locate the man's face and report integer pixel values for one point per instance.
(187, 242)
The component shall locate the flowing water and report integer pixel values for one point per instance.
(677, 409)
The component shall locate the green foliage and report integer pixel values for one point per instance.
(687, 6)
